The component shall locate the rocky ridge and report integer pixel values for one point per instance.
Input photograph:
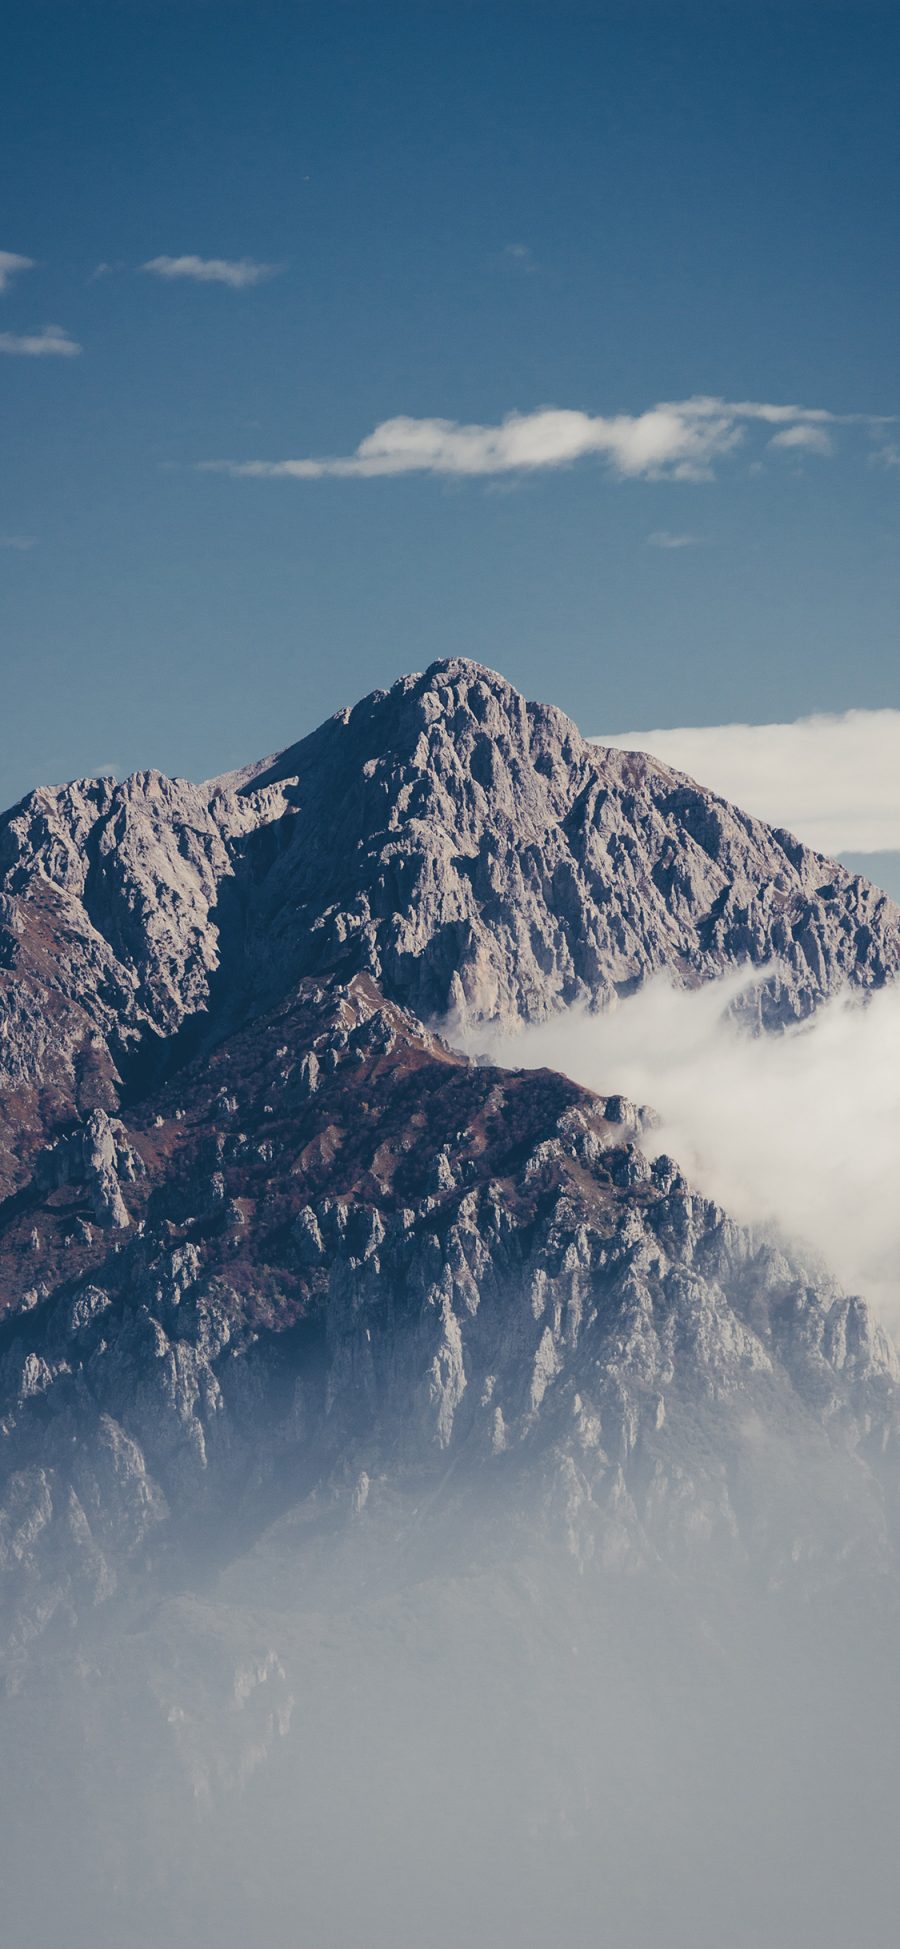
(469, 850)
(371, 1416)
(264, 1228)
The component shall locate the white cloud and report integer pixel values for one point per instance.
(52, 341)
(801, 1131)
(237, 272)
(703, 404)
(664, 538)
(832, 780)
(10, 266)
(804, 438)
(20, 542)
(674, 441)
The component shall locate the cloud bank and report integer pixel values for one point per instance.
(800, 1131)
(238, 272)
(675, 441)
(10, 266)
(51, 342)
(832, 780)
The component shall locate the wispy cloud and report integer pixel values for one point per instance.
(832, 780)
(10, 266)
(237, 272)
(519, 257)
(804, 438)
(20, 542)
(51, 342)
(675, 441)
(664, 538)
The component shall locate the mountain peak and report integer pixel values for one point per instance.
(311, 1320)
(467, 849)
(480, 857)
(460, 697)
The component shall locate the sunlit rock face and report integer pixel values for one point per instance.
(468, 849)
(323, 1346)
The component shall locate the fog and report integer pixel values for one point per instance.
(436, 1718)
(414, 1748)
(801, 1130)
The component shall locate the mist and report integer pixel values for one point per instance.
(799, 1131)
(526, 1697)
(412, 1738)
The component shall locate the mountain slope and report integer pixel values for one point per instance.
(481, 857)
(469, 850)
(239, 1168)
(334, 1257)
(423, 1517)
(417, 1503)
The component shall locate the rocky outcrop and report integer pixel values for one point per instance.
(94, 1155)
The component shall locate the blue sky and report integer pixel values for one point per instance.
(464, 212)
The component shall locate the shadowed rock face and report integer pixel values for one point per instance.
(469, 850)
(333, 1259)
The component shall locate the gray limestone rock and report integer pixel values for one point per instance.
(472, 851)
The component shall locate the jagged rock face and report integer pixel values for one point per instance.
(335, 1257)
(327, 1237)
(470, 850)
(107, 935)
(483, 859)
(323, 1346)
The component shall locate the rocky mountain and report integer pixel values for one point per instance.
(322, 1344)
(470, 851)
(334, 1254)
